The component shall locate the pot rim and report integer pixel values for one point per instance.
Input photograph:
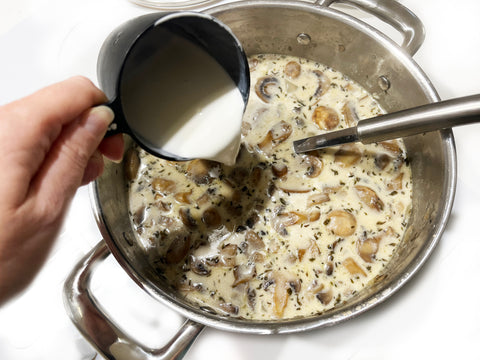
(331, 317)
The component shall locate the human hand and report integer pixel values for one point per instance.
(51, 143)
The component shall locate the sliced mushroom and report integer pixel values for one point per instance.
(341, 223)
(165, 221)
(187, 218)
(131, 164)
(229, 249)
(349, 114)
(211, 218)
(163, 206)
(369, 197)
(396, 183)
(280, 294)
(367, 248)
(292, 69)
(243, 274)
(199, 266)
(276, 135)
(331, 189)
(392, 146)
(257, 258)
(183, 197)
(265, 88)
(252, 63)
(254, 241)
(295, 285)
(178, 249)
(139, 216)
(314, 166)
(314, 287)
(301, 253)
(312, 249)
(323, 83)
(317, 199)
(352, 267)
(329, 266)
(318, 290)
(203, 199)
(279, 170)
(188, 286)
(164, 186)
(348, 155)
(201, 171)
(382, 161)
(251, 298)
(325, 117)
(295, 218)
(281, 132)
(324, 295)
(292, 190)
(229, 308)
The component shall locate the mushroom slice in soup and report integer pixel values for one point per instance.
(314, 166)
(280, 132)
(352, 267)
(369, 197)
(164, 186)
(349, 114)
(323, 83)
(292, 69)
(348, 155)
(266, 88)
(341, 223)
(326, 118)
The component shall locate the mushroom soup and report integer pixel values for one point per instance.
(278, 235)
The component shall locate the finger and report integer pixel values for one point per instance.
(64, 167)
(94, 168)
(30, 126)
(112, 147)
(57, 104)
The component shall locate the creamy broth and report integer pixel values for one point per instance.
(179, 97)
(279, 234)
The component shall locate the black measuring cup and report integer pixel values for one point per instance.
(135, 41)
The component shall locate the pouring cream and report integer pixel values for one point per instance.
(183, 102)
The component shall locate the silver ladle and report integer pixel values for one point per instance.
(417, 120)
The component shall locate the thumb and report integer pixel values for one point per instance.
(64, 166)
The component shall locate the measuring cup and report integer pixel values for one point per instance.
(129, 46)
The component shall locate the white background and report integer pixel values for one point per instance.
(435, 316)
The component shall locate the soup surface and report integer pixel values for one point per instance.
(279, 234)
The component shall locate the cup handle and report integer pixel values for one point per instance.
(394, 14)
(108, 339)
(119, 124)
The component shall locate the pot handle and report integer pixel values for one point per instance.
(103, 334)
(394, 14)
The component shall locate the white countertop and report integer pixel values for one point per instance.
(435, 316)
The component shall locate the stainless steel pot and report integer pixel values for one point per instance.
(314, 31)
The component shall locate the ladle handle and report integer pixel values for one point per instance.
(109, 340)
(425, 118)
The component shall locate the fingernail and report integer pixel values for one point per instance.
(99, 118)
